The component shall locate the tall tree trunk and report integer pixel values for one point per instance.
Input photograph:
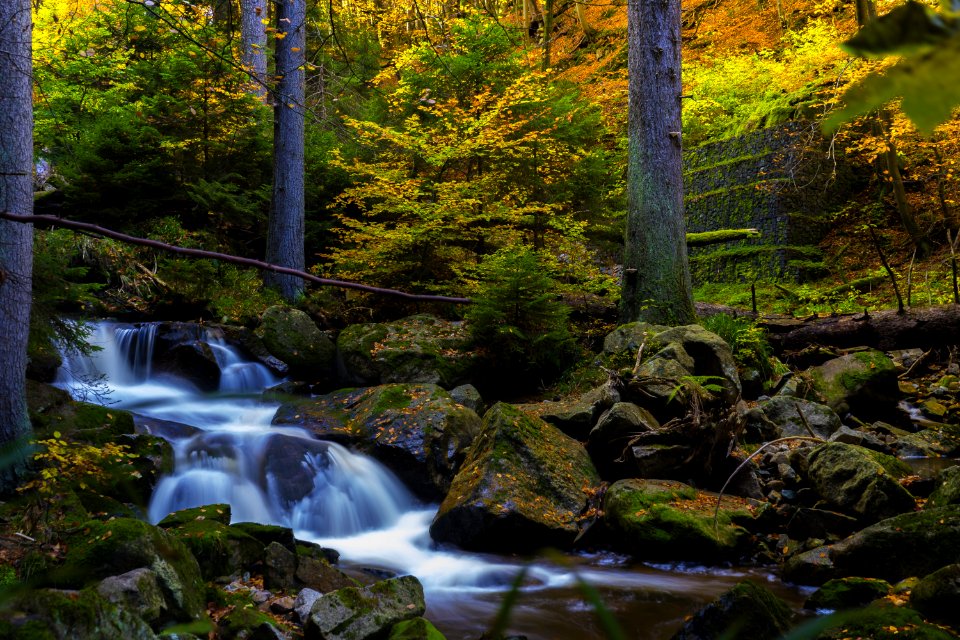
(16, 240)
(253, 36)
(286, 232)
(547, 32)
(656, 278)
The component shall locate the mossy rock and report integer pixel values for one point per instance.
(417, 430)
(419, 348)
(937, 595)
(522, 487)
(669, 520)
(883, 622)
(848, 593)
(267, 533)
(910, 544)
(947, 490)
(48, 614)
(293, 338)
(415, 629)
(941, 441)
(792, 416)
(712, 357)
(859, 481)
(220, 550)
(576, 415)
(862, 383)
(81, 421)
(137, 591)
(746, 611)
(102, 549)
(247, 623)
(216, 512)
(626, 339)
(356, 614)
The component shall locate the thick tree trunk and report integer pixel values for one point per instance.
(656, 279)
(16, 240)
(286, 233)
(253, 36)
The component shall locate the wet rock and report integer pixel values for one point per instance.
(279, 567)
(166, 429)
(360, 614)
(417, 430)
(859, 481)
(669, 520)
(746, 611)
(315, 571)
(521, 487)
(940, 441)
(808, 523)
(947, 489)
(848, 593)
(253, 346)
(194, 361)
(418, 348)
(70, 615)
(659, 386)
(937, 595)
(609, 439)
(909, 544)
(137, 591)
(293, 338)
(862, 383)
(288, 474)
(415, 629)
(865, 439)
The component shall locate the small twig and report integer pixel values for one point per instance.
(922, 357)
(910, 279)
(893, 278)
(636, 364)
(803, 419)
(25, 536)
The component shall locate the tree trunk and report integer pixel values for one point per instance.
(224, 15)
(16, 240)
(253, 36)
(656, 278)
(286, 232)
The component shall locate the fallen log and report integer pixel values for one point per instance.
(916, 328)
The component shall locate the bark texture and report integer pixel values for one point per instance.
(16, 240)
(286, 232)
(656, 279)
(253, 36)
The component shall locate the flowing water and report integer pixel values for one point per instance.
(229, 453)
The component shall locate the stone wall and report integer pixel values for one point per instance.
(778, 180)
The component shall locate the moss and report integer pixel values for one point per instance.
(884, 622)
(848, 593)
(216, 512)
(415, 629)
(221, 550)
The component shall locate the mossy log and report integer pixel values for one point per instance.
(704, 238)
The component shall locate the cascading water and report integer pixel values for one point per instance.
(229, 453)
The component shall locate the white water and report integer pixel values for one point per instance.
(353, 504)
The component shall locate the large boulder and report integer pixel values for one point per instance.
(69, 615)
(862, 383)
(523, 485)
(746, 611)
(137, 591)
(627, 339)
(669, 520)
(293, 338)
(910, 544)
(859, 481)
(417, 430)
(182, 349)
(102, 549)
(220, 550)
(848, 593)
(937, 595)
(791, 417)
(576, 415)
(609, 440)
(419, 348)
(353, 613)
(712, 357)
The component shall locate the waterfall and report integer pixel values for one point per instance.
(229, 453)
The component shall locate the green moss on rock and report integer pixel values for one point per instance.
(416, 629)
(848, 593)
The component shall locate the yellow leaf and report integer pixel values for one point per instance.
(139, 27)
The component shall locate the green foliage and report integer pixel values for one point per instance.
(65, 464)
(734, 94)
(749, 343)
(925, 78)
(517, 318)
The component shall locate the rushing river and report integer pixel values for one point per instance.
(355, 505)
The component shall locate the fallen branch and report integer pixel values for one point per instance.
(53, 221)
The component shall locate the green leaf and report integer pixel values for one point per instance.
(927, 83)
(907, 29)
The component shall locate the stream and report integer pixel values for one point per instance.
(352, 503)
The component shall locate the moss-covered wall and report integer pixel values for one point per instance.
(777, 180)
